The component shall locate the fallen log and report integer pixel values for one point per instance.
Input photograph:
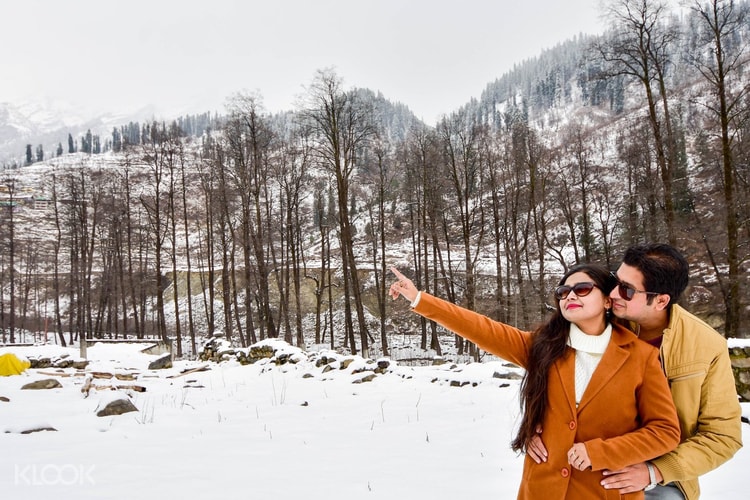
(202, 368)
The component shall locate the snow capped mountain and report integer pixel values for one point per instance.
(14, 123)
(48, 122)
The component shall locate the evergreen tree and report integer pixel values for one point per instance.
(29, 156)
(116, 140)
(59, 149)
(86, 142)
(40, 153)
(71, 144)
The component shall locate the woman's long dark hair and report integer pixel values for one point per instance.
(548, 344)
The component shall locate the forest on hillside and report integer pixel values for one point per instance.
(252, 225)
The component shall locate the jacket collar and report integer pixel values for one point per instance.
(612, 360)
(676, 313)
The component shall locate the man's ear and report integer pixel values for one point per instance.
(662, 301)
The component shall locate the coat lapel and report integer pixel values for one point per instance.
(566, 371)
(612, 360)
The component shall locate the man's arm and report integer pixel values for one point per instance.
(714, 428)
(630, 479)
(716, 431)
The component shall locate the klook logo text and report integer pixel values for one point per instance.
(54, 475)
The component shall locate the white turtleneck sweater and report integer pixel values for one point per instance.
(589, 350)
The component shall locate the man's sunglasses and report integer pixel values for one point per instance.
(626, 291)
(581, 290)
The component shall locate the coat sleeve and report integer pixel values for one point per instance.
(500, 339)
(658, 433)
(713, 435)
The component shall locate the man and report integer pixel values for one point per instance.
(696, 361)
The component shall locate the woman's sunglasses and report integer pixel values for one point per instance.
(627, 292)
(581, 290)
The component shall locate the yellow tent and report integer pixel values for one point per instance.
(11, 365)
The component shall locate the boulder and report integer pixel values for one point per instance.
(345, 363)
(38, 429)
(161, 363)
(366, 378)
(258, 352)
(47, 383)
(116, 407)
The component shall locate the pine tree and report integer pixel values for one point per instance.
(29, 156)
(116, 140)
(86, 142)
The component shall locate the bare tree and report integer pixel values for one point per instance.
(516, 232)
(225, 231)
(416, 168)
(496, 156)
(186, 218)
(10, 183)
(459, 141)
(248, 139)
(382, 177)
(107, 239)
(575, 179)
(342, 124)
(722, 22)
(641, 196)
(291, 165)
(639, 47)
(157, 153)
(174, 160)
(206, 238)
(323, 282)
(539, 193)
(57, 246)
(134, 245)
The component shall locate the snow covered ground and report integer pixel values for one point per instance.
(290, 431)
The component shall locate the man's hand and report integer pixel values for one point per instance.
(630, 479)
(535, 447)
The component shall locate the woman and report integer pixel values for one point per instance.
(597, 392)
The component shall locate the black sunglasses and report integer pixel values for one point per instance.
(581, 290)
(626, 291)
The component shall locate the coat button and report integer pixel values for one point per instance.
(564, 472)
(572, 425)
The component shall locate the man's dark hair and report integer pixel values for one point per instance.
(664, 269)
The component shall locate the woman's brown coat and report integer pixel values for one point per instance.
(626, 415)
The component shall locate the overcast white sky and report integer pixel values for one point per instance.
(189, 55)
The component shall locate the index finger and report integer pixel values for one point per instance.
(397, 273)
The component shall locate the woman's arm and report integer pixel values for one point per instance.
(500, 339)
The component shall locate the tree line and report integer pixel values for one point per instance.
(134, 133)
(285, 225)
